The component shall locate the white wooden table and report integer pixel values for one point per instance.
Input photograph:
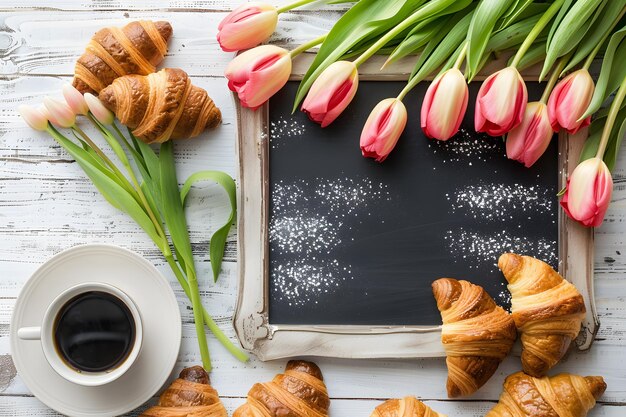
(47, 205)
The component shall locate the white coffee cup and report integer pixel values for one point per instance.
(45, 334)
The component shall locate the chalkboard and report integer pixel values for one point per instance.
(355, 242)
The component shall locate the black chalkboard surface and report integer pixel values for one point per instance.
(356, 242)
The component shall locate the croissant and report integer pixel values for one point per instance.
(561, 395)
(299, 392)
(547, 310)
(191, 395)
(161, 106)
(113, 52)
(405, 407)
(476, 334)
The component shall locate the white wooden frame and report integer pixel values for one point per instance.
(269, 341)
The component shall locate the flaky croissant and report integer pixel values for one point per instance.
(547, 310)
(161, 106)
(405, 407)
(113, 52)
(476, 334)
(562, 395)
(299, 392)
(191, 395)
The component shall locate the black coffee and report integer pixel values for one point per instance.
(94, 332)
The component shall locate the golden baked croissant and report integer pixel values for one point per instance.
(547, 310)
(561, 395)
(405, 407)
(191, 395)
(161, 106)
(113, 52)
(299, 392)
(476, 334)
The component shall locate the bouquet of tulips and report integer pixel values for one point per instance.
(148, 191)
(453, 40)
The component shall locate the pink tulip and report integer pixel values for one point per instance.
(75, 99)
(331, 92)
(98, 110)
(588, 192)
(34, 117)
(247, 26)
(526, 142)
(569, 101)
(383, 129)
(444, 105)
(257, 74)
(59, 113)
(501, 102)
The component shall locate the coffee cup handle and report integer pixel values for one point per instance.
(29, 333)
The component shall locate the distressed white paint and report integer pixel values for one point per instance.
(46, 205)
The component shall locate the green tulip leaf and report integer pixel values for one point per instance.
(417, 38)
(108, 185)
(612, 73)
(441, 46)
(218, 240)
(480, 30)
(571, 30)
(567, 4)
(515, 13)
(608, 18)
(172, 205)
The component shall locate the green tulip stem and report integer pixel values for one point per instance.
(461, 57)
(158, 224)
(308, 45)
(124, 181)
(383, 40)
(616, 105)
(536, 30)
(553, 79)
(221, 337)
(294, 5)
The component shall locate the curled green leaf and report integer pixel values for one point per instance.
(218, 240)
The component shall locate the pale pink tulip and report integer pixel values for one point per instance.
(59, 113)
(569, 101)
(247, 26)
(34, 117)
(383, 129)
(257, 74)
(331, 92)
(526, 142)
(501, 102)
(444, 105)
(98, 110)
(75, 99)
(588, 192)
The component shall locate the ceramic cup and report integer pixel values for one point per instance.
(45, 334)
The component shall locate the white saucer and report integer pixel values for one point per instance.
(160, 316)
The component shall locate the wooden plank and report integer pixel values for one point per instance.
(31, 407)
(50, 43)
(205, 6)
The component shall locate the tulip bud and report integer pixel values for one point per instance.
(59, 113)
(75, 99)
(331, 92)
(444, 105)
(257, 74)
(247, 26)
(99, 111)
(501, 102)
(526, 142)
(569, 101)
(34, 117)
(588, 192)
(383, 129)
